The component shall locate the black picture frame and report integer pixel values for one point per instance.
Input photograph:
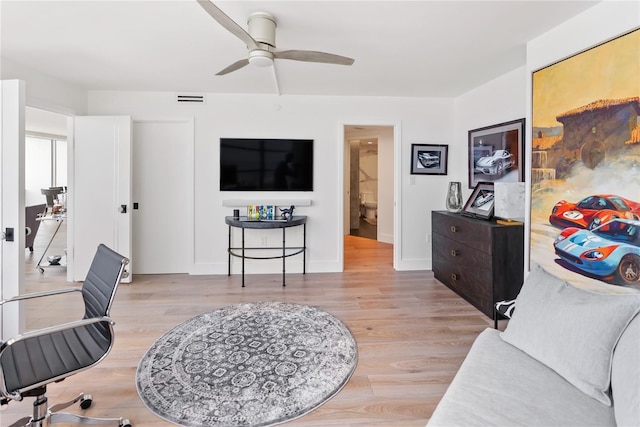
(429, 159)
(496, 153)
(481, 202)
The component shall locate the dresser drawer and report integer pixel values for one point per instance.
(473, 284)
(457, 252)
(474, 233)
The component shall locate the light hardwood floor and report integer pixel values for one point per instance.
(412, 332)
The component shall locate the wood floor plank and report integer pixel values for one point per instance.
(412, 333)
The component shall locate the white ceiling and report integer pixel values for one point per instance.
(401, 48)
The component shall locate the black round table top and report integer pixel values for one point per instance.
(244, 222)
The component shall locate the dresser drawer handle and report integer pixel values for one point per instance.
(454, 276)
(454, 229)
(455, 252)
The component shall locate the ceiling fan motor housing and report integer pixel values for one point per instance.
(262, 27)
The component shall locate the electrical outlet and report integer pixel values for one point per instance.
(428, 239)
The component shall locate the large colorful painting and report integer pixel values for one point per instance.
(585, 176)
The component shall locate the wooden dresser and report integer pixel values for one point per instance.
(481, 261)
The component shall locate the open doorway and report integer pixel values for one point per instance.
(369, 191)
(363, 191)
(45, 187)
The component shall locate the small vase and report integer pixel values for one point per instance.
(454, 197)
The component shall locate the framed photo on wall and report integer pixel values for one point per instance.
(429, 159)
(496, 153)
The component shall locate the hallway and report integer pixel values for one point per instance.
(363, 254)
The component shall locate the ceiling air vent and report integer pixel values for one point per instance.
(190, 99)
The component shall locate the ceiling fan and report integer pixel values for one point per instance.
(261, 41)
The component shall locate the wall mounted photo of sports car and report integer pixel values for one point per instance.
(593, 211)
(610, 252)
(495, 164)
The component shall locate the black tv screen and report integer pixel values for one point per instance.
(266, 164)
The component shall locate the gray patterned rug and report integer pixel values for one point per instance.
(255, 364)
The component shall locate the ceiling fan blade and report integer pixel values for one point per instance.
(313, 56)
(228, 23)
(233, 67)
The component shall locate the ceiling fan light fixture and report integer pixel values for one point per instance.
(261, 58)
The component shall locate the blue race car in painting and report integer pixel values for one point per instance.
(610, 252)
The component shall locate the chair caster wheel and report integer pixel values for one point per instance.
(41, 269)
(125, 423)
(85, 402)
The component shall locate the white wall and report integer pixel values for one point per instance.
(385, 185)
(438, 121)
(46, 92)
(498, 101)
(320, 118)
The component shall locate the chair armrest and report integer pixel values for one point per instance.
(40, 294)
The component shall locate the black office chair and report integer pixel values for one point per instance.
(32, 224)
(32, 360)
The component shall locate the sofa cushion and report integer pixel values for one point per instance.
(572, 331)
(499, 385)
(625, 376)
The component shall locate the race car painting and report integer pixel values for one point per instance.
(610, 252)
(593, 211)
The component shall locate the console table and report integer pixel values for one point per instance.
(287, 251)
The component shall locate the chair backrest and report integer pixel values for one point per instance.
(31, 222)
(99, 288)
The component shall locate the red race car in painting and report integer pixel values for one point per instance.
(593, 211)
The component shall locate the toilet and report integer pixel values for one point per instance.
(370, 205)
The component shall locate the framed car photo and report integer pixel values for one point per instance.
(481, 202)
(429, 159)
(496, 153)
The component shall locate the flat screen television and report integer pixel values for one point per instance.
(251, 164)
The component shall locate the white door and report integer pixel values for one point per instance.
(99, 199)
(162, 196)
(12, 95)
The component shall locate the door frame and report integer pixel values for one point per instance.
(397, 196)
(12, 258)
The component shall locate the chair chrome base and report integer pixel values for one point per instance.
(43, 415)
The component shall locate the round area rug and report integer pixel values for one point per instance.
(255, 364)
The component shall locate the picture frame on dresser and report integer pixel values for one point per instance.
(481, 202)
